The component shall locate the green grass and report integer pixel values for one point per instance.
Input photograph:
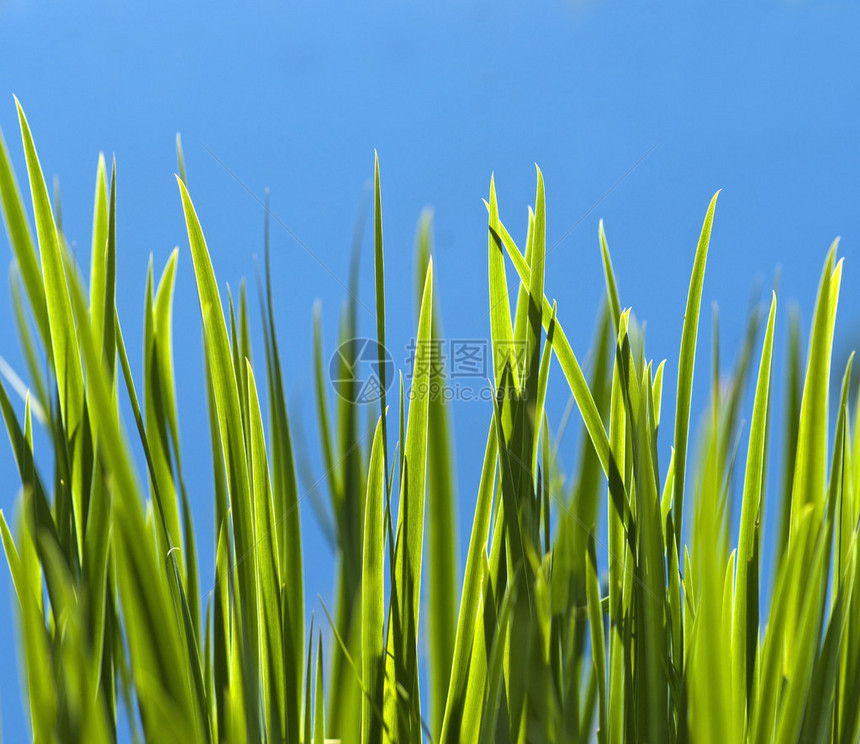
(666, 644)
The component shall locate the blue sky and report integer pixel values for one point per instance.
(762, 102)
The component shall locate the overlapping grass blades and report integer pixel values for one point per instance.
(645, 622)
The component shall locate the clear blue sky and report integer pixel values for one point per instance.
(762, 102)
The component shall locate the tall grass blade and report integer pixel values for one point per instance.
(373, 593)
(441, 522)
(686, 363)
(233, 442)
(746, 597)
(21, 240)
(401, 669)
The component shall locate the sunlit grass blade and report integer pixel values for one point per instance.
(764, 716)
(509, 512)
(319, 702)
(650, 588)
(163, 328)
(657, 392)
(611, 284)
(166, 545)
(21, 240)
(746, 599)
(99, 249)
(495, 664)
(379, 267)
(617, 550)
(572, 371)
(29, 340)
(221, 625)
(24, 459)
(67, 363)
(820, 716)
(811, 467)
(810, 599)
(441, 522)
(471, 597)
(36, 642)
(686, 363)
(500, 309)
(586, 491)
(66, 360)
(156, 434)
(180, 158)
(543, 381)
(791, 414)
(535, 307)
(323, 419)
(598, 651)
(372, 593)
(171, 706)
(285, 498)
(307, 717)
(521, 316)
(401, 669)
(233, 442)
(274, 679)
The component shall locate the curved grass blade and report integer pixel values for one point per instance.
(471, 597)
(793, 395)
(379, 267)
(274, 674)
(42, 692)
(28, 341)
(66, 360)
(287, 517)
(598, 649)
(500, 309)
(233, 442)
(495, 676)
(100, 234)
(573, 373)
(373, 592)
(746, 600)
(22, 244)
(180, 158)
(811, 467)
(401, 669)
(172, 707)
(441, 521)
(611, 285)
(319, 702)
(686, 363)
(530, 374)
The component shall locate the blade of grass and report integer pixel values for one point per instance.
(273, 673)
(441, 522)
(233, 442)
(745, 618)
(471, 596)
(98, 261)
(287, 517)
(500, 308)
(22, 244)
(686, 363)
(401, 662)
(811, 468)
(598, 652)
(373, 592)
